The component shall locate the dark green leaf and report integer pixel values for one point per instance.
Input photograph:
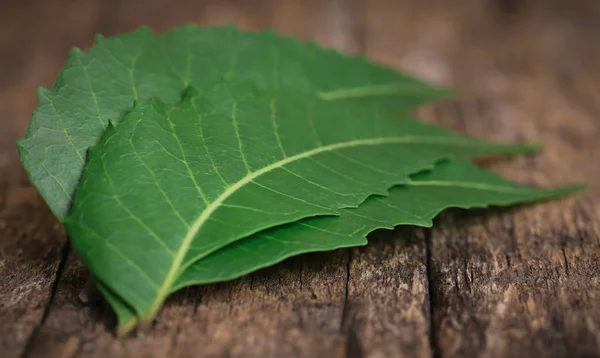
(101, 84)
(172, 183)
(451, 184)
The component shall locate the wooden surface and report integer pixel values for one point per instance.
(521, 282)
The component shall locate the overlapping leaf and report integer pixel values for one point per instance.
(452, 184)
(181, 181)
(102, 83)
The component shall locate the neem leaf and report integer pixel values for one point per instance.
(102, 83)
(172, 183)
(457, 184)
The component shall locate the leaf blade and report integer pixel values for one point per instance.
(457, 184)
(152, 182)
(102, 83)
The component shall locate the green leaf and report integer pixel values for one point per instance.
(456, 184)
(172, 183)
(102, 83)
(451, 184)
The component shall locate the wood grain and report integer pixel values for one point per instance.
(31, 251)
(387, 311)
(496, 283)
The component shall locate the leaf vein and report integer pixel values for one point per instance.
(239, 138)
(178, 265)
(315, 184)
(140, 222)
(272, 110)
(65, 130)
(160, 188)
(92, 92)
(185, 161)
(48, 172)
(119, 252)
(203, 139)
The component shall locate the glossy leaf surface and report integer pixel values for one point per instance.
(457, 184)
(102, 83)
(171, 184)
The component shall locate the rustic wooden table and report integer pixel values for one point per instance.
(505, 283)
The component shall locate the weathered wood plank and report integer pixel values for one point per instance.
(31, 249)
(517, 284)
(387, 310)
(294, 309)
(522, 282)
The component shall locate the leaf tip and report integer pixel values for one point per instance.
(76, 52)
(42, 92)
(571, 189)
(190, 92)
(144, 29)
(126, 327)
(534, 147)
(270, 31)
(427, 223)
(230, 26)
(99, 39)
(526, 148)
(19, 146)
(446, 92)
(557, 193)
(312, 42)
(155, 102)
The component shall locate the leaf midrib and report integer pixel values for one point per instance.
(176, 266)
(382, 90)
(470, 185)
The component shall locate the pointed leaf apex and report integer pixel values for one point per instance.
(191, 91)
(126, 327)
(445, 92)
(99, 39)
(535, 147)
(42, 92)
(76, 51)
(144, 29)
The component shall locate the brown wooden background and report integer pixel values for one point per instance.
(523, 282)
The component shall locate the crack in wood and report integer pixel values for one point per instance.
(344, 318)
(353, 347)
(433, 339)
(29, 346)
